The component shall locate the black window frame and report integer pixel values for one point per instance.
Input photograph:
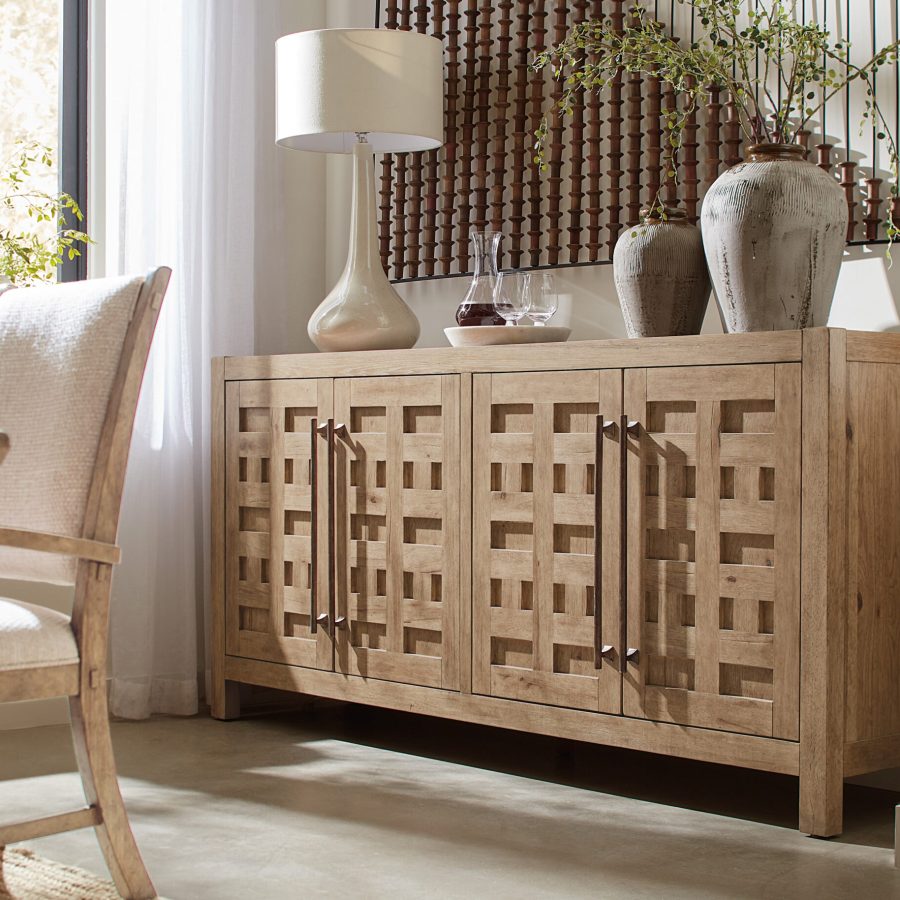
(73, 122)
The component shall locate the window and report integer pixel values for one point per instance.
(43, 94)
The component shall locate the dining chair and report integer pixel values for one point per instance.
(72, 358)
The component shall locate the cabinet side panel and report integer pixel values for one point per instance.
(822, 614)
(221, 695)
(873, 570)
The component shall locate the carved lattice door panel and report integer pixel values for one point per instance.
(713, 538)
(276, 511)
(397, 503)
(544, 473)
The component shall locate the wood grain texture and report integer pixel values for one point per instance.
(707, 543)
(223, 699)
(37, 828)
(864, 346)
(397, 515)
(40, 682)
(537, 470)
(873, 548)
(784, 346)
(753, 538)
(822, 604)
(44, 542)
(615, 731)
(862, 757)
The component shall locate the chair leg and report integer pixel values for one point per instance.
(93, 750)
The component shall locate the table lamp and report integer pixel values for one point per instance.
(361, 91)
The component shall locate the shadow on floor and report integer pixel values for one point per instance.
(243, 768)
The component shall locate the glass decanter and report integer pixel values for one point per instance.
(477, 307)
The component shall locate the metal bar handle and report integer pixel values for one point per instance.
(323, 618)
(601, 651)
(332, 565)
(631, 428)
(313, 524)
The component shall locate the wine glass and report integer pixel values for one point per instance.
(510, 296)
(542, 297)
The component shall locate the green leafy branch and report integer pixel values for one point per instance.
(807, 67)
(32, 255)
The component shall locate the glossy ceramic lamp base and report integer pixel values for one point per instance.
(363, 311)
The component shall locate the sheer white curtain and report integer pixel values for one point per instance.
(190, 163)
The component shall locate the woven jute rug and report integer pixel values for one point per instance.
(24, 876)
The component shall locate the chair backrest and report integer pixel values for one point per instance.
(72, 357)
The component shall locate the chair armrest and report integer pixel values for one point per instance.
(4, 445)
(96, 551)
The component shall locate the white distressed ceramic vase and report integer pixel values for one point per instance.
(661, 278)
(774, 229)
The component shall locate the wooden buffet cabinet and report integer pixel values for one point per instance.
(689, 546)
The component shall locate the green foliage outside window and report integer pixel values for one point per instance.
(40, 237)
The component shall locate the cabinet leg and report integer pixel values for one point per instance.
(821, 802)
(225, 702)
(897, 838)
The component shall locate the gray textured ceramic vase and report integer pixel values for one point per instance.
(661, 277)
(774, 230)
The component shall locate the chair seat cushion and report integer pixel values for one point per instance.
(34, 636)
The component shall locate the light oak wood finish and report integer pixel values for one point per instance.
(539, 464)
(701, 350)
(223, 696)
(276, 551)
(397, 523)
(713, 552)
(746, 751)
(85, 682)
(747, 489)
(37, 828)
(96, 551)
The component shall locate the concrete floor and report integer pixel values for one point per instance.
(343, 801)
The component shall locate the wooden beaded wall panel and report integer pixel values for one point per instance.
(606, 160)
(397, 528)
(713, 537)
(276, 507)
(538, 627)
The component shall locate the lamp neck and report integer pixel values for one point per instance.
(363, 229)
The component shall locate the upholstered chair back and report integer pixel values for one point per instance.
(62, 353)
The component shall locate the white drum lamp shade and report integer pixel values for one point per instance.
(361, 91)
(336, 82)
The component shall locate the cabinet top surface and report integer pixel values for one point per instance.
(711, 349)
